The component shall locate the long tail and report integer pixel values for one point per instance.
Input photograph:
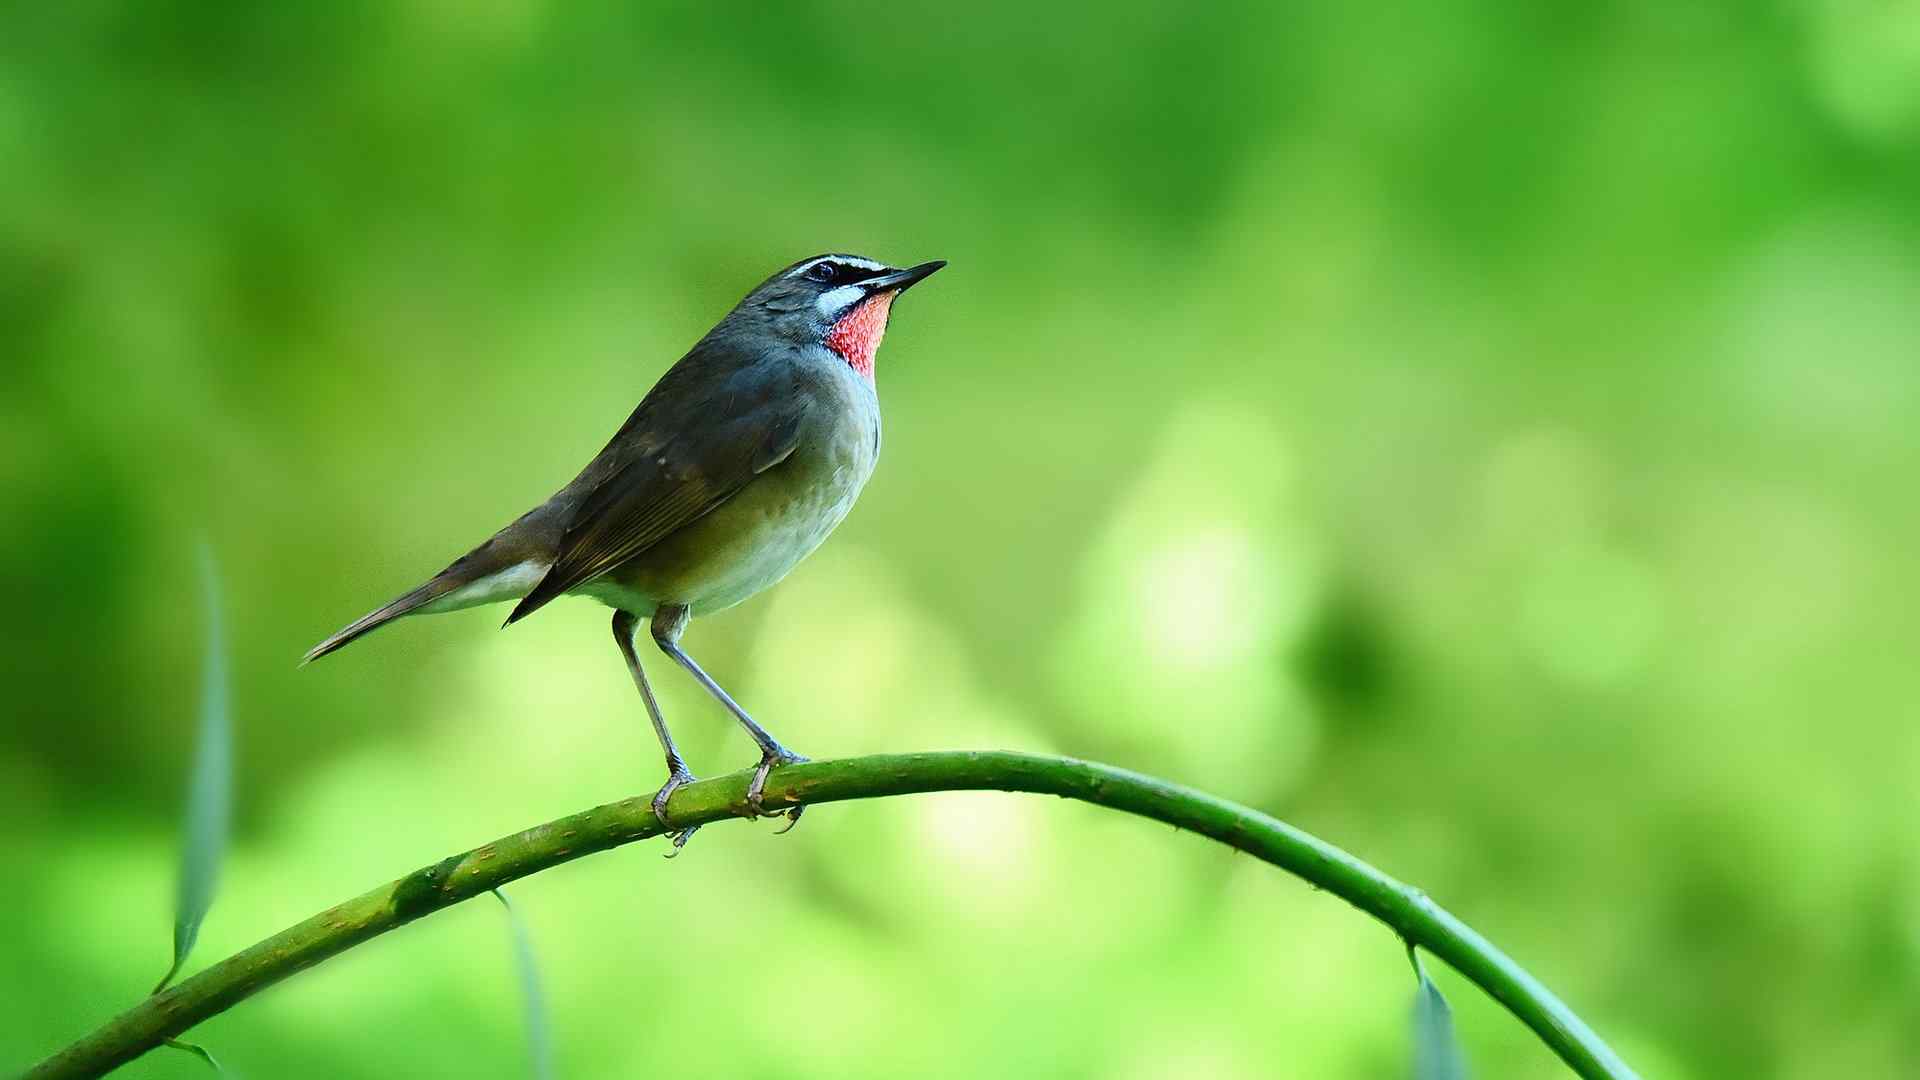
(493, 571)
(373, 620)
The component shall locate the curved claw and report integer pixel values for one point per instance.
(793, 818)
(680, 839)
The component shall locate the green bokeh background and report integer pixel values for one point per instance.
(1482, 434)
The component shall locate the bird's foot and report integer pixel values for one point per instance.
(770, 759)
(678, 777)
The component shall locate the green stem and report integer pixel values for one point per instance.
(1406, 910)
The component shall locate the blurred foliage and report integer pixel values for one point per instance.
(1480, 433)
(207, 814)
(1436, 1050)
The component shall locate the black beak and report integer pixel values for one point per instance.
(900, 281)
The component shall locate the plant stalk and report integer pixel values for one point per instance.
(1405, 910)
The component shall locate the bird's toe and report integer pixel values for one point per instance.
(679, 777)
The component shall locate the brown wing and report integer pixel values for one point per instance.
(703, 433)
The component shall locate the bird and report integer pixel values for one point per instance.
(733, 468)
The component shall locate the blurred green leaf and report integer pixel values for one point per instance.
(200, 1052)
(1436, 1053)
(210, 787)
(539, 1045)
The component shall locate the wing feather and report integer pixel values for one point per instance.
(700, 437)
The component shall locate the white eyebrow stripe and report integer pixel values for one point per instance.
(846, 260)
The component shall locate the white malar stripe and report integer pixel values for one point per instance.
(510, 584)
(834, 301)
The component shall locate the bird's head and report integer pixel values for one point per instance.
(838, 302)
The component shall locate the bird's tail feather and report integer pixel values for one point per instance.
(440, 585)
(505, 567)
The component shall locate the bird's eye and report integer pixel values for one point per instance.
(823, 271)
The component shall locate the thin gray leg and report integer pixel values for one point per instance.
(668, 624)
(625, 625)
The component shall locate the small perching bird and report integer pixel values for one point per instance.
(736, 465)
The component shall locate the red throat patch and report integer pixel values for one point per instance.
(856, 337)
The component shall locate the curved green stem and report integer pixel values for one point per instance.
(1406, 910)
